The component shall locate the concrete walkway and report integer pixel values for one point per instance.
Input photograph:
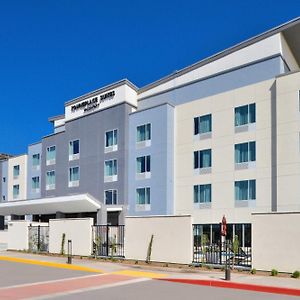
(150, 271)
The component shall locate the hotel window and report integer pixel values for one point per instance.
(51, 156)
(202, 159)
(74, 176)
(74, 150)
(143, 164)
(111, 197)
(36, 161)
(16, 171)
(35, 184)
(244, 115)
(16, 191)
(143, 196)
(143, 133)
(111, 140)
(244, 152)
(110, 170)
(50, 180)
(202, 124)
(202, 193)
(245, 190)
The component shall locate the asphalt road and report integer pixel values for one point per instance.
(12, 273)
(25, 281)
(155, 289)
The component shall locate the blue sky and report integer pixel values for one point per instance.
(53, 51)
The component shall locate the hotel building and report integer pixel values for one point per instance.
(220, 137)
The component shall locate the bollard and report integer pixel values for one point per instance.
(69, 252)
(227, 268)
(227, 274)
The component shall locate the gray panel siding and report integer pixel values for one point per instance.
(161, 150)
(90, 130)
(32, 172)
(1, 182)
(218, 84)
(4, 173)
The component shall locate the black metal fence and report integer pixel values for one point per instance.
(38, 238)
(108, 240)
(220, 253)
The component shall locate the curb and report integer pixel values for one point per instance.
(238, 286)
(49, 264)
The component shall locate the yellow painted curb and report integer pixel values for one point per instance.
(49, 264)
(140, 274)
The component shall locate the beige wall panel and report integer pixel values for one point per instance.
(275, 242)
(172, 241)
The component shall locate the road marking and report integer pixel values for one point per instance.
(64, 286)
(49, 264)
(78, 291)
(140, 274)
(47, 281)
(238, 286)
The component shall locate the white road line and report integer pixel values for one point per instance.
(50, 281)
(78, 291)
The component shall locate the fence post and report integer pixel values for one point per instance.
(107, 236)
(69, 261)
(39, 239)
(227, 268)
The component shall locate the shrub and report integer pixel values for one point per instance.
(274, 272)
(113, 246)
(296, 274)
(149, 251)
(62, 248)
(253, 271)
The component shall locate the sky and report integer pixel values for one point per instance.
(53, 51)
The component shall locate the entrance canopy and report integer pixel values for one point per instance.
(44, 206)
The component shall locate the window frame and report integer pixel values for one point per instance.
(50, 187)
(248, 190)
(248, 161)
(136, 195)
(248, 114)
(199, 160)
(198, 120)
(113, 177)
(113, 147)
(16, 167)
(146, 142)
(199, 193)
(74, 156)
(35, 167)
(35, 190)
(117, 196)
(15, 197)
(50, 162)
(145, 163)
(73, 183)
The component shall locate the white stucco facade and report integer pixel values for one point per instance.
(223, 171)
(15, 180)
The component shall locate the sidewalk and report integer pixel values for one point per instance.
(160, 272)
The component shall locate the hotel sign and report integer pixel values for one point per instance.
(93, 103)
